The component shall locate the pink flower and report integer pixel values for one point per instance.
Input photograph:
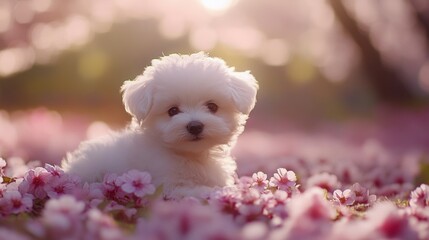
(2, 189)
(327, 181)
(102, 226)
(64, 205)
(311, 204)
(111, 187)
(63, 184)
(121, 212)
(35, 181)
(346, 197)
(55, 171)
(94, 190)
(283, 179)
(138, 183)
(251, 205)
(276, 204)
(260, 181)
(362, 195)
(310, 217)
(420, 196)
(14, 202)
(2, 165)
(110, 181)
(186, 220)
(389, 222)
(226, 200)
(63, 214)
(244, 182)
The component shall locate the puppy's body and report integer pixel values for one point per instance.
(188, 111)
(132, 149)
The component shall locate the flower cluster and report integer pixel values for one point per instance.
(28, 193)
(257, 198)
(127, 206)
(123, 196)
(68, 218)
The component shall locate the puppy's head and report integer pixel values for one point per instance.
(191, 102)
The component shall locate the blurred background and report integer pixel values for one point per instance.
(344, 72)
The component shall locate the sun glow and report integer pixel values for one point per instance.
(217, 5)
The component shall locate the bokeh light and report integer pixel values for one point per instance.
(274, 52)
(217, 5)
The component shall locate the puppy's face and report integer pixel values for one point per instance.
(190, 114)
(191, 102)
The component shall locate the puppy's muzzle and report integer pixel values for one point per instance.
(195, 127)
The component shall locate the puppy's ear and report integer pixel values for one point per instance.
(243, 90)
(137, 97)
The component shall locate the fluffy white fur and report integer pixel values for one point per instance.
(161, 144)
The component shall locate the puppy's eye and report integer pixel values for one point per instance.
(173, 111)
(212, 107)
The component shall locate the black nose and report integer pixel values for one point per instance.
(195, 127)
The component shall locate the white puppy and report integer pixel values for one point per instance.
(188, 111)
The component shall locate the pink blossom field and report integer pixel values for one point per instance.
(336, 148)
(364, 179)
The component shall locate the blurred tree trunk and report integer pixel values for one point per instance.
(387, 84)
